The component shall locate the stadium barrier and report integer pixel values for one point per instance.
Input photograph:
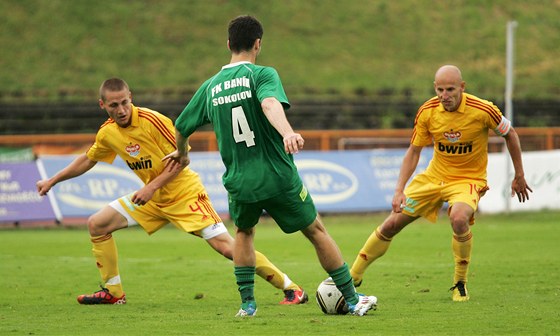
(19, 201)
(532, 139)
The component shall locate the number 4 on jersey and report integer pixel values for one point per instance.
(241, 129)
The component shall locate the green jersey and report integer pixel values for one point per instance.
(257, 166)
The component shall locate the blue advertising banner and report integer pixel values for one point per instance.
(19, 200)
(84, 195)
(353, 181)
(342, 181)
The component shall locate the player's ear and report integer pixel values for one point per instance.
(101, 104)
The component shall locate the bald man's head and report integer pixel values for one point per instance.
(449, 87)
(448, 72)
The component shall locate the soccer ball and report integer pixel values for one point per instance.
(330, 299)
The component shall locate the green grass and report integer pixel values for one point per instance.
(514, 282)
(59, 48)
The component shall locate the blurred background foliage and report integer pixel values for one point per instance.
(63, 49)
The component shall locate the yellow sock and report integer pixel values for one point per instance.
(105, 252)
(268, 271)
(376, 246)
(462, 246)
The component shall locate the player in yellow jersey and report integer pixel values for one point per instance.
(457, 125)
(142, 137)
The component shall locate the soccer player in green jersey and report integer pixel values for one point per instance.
(245, 103)
(457, 124)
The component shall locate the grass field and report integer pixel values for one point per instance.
(514, 282)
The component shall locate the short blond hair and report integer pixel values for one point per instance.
(112, 84)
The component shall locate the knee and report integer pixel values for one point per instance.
(390, 227)
(315, 231)
(95, 226)
(244, 233)
(388, 231)
(459, 223)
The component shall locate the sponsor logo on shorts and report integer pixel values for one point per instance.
(410, 205)
(127, 200)
(303, 193)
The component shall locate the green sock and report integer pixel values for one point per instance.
(343, 280)
(245, 277)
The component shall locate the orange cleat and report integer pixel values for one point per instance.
(101, 297)
(293, 297)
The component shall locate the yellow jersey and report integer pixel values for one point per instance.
(460, 138)
(142, 145)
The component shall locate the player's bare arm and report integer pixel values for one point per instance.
(146, 193)
(410, 161)
(519, 186)
(275, 114)
(180, 157)
(80, 165)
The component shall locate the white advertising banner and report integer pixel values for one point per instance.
(542, 173)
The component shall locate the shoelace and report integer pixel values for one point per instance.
(290, 294)
(460, 287)
(103, 289)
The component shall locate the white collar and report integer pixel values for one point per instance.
(231, 65)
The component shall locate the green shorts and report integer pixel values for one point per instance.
(292, 210)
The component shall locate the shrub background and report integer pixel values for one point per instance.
(60, 48)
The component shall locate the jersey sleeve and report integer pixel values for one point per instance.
(195, 114)
(268, 84)
(100, 151)
(163, 133)
(420, 135)
(494, 119)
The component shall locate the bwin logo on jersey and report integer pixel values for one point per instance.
(142, 164)
(133, 150)
(460, 148)
(452, 136)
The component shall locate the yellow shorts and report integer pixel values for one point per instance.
(191, 211)
(425, 195)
